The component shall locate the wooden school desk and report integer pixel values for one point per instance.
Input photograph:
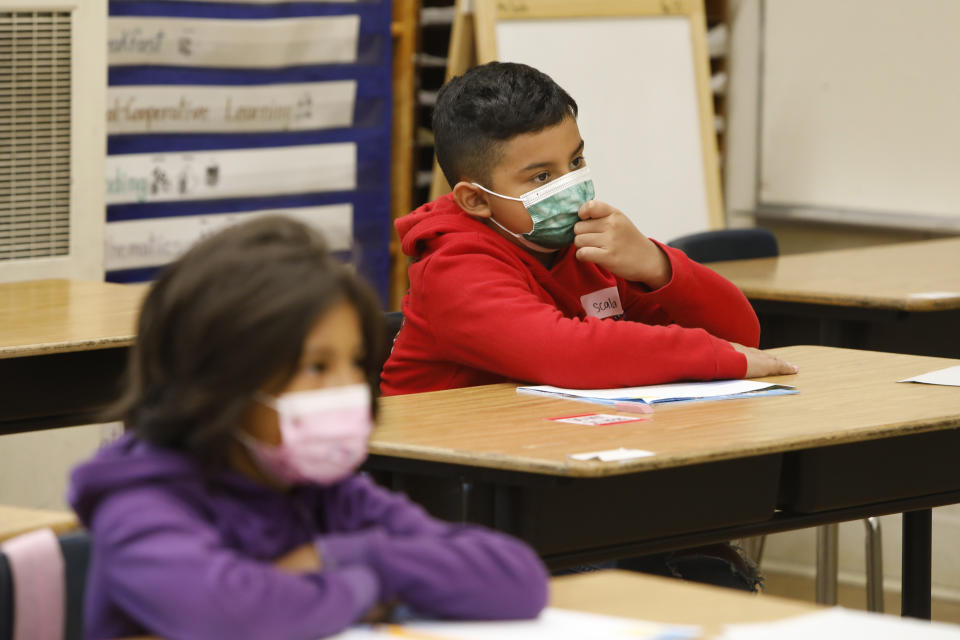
(63, 348)
(657, 599)
(902, 297)
(852, 443)
(17, 520)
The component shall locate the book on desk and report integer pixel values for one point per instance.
(624, 397)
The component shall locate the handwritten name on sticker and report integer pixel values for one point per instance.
(599, 419)
(604, 303)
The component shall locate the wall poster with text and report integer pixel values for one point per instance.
(218, 112)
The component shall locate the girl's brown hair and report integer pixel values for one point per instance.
(227, 317)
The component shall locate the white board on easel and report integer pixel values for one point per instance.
(639, 72)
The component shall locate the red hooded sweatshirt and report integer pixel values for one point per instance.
(482, 310)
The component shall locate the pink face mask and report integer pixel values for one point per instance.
(323, 435)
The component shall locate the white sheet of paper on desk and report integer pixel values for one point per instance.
(843, 624)
(612, 455)
(933, 295)
(949, 376)
(659, 392)
(555, 624)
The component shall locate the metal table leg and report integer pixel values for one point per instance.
(874, 559)
(826, 587)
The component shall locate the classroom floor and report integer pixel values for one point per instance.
(853, 597)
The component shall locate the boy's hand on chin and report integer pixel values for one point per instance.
(608, 238)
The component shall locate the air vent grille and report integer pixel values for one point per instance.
(35, 72)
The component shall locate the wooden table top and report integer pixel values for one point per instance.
(56, 316)
(657, 599)
(17, 520)
(912, 276)
(845, 396)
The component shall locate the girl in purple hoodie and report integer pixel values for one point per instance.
(231, 507)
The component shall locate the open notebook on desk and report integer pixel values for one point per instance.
(674, 392)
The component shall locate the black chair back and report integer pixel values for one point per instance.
(392, 321)
(728, 244)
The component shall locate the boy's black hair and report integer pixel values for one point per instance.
(226, 318)
(488, 105)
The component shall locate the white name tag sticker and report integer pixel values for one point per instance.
(603, 303)
(188, 109)
(209, 175)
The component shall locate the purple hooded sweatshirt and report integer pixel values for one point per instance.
(183, 554)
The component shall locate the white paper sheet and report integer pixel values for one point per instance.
(843, 624)
(555, 624)
(949, 376)
(612, 455)
(933, 295)
(657, 393)
(600, 419)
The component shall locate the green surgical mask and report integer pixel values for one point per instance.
(553, 208)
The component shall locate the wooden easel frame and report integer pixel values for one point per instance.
(487, 13)
(461, 55)
(405, 31)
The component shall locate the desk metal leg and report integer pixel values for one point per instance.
(826, 587)
(874, 556)
(917, 533)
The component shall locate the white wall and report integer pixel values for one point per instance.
(794, 552)
(35, 466)
(740, 161)
(741, 108)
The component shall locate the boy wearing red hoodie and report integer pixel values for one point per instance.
(520, 274)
